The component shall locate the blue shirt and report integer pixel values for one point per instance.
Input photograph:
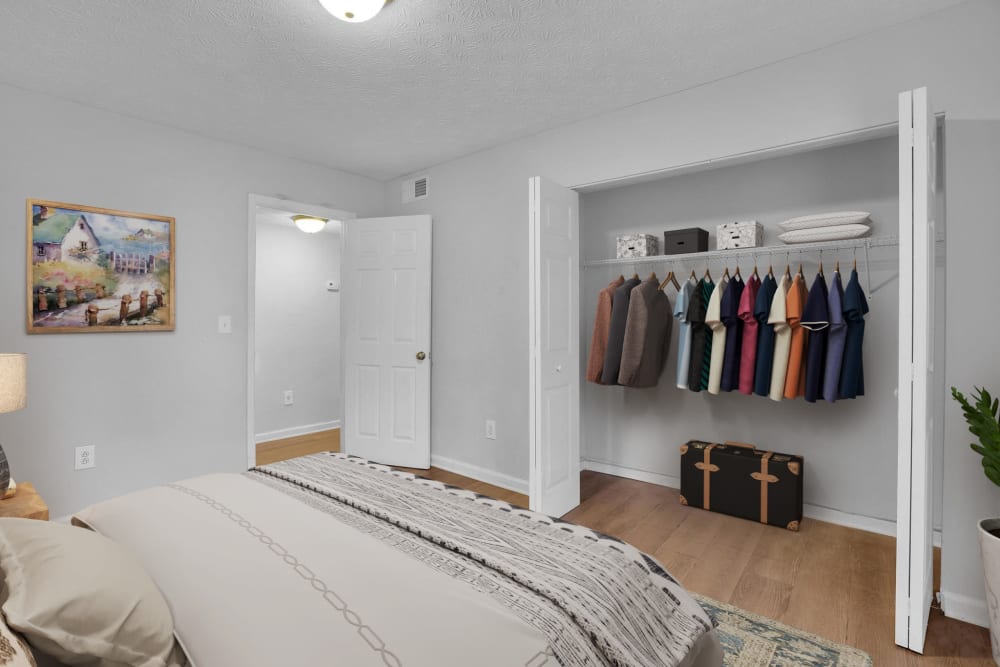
(730, 313)
(835, 341)
(816, 318)
(852, 375)
(765, 336)
(683, 334)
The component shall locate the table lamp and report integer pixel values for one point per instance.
(13, 396)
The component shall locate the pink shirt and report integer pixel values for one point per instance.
(748, 353)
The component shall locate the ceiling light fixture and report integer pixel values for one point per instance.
(354, 11)
(309, 224)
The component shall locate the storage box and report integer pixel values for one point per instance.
(748, 234)
(740, 480)
(637, 245)
(680, 241)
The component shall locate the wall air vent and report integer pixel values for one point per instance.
(416, 188)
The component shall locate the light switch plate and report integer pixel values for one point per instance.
(332, 286)
(225, 324)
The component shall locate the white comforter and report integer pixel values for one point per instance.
(257, 574)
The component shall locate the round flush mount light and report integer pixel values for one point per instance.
(353, 11)
(309, 224)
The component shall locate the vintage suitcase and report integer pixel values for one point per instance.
(680, 241)
(737, 479)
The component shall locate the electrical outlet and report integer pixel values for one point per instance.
(491, 429)
(289, 397)
(86, 457)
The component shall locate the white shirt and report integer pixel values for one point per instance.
(782, 339)
(713, 320)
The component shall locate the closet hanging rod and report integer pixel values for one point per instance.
(847, 244)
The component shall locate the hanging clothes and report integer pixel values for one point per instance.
(647, 336)
(602, 323)
(852, 377)
(713, 320)
(816, 319)
(684, 332)
(701, 341)
(616, 331)
(782, 339)
(748, 346)
(795, 378)
(734, 333)
(836, 338)
(765, 336)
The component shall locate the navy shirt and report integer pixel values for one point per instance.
(765, 336)
(730, 315)
(701, 337)
(816, 318)
(852, 376)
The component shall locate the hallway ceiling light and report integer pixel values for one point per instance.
(309, 224)
(353, 11)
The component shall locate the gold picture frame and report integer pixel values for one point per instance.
(98, 270)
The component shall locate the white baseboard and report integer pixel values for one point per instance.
(964, 608)
(859, 521)
(482, 474)
(296, 431)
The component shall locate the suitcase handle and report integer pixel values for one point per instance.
(730, 443)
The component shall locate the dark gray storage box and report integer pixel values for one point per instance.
(680, 241)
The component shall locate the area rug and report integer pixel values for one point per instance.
(750, 640)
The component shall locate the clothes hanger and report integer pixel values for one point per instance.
(693, 277)
(652, 277)
(737, 274)
(800, 274)
(725, 274)
(671, 279)
(836, 266)
(821, 268)
(708, 274)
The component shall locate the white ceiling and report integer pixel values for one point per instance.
(424, 82)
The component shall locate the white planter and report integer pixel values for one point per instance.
(990, 547)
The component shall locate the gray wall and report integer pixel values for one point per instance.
(185, 413)
(297, 331)
(849, 446)
(479, 205)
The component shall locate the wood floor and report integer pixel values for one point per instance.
(289, 448)
(833, 581)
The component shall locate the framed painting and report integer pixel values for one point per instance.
(93, 270)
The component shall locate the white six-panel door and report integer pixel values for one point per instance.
(554, 393)
(386, 322)
(917, 237)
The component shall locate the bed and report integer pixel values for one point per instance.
(330, 559)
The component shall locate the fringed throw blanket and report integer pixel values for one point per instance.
(598, 600)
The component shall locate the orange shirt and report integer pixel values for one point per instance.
(795, 302)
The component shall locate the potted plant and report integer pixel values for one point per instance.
(983, 417)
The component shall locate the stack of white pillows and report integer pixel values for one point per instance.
(835, 226)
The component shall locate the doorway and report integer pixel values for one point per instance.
(295, 387)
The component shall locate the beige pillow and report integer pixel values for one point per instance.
(80, 597)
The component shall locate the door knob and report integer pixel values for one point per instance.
(421, 356)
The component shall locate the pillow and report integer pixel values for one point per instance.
(13, 651)
(824, 220)
(836, 233)
(81, 598)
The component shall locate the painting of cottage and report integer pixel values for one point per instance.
(98, 270)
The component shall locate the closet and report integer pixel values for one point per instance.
(869, 460)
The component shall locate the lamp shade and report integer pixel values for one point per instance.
(13, 381)
(353, 11)
(309, 224)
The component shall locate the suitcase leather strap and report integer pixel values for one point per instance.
(764, 478)
(708, 467)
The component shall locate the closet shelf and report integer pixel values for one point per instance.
(774, 250)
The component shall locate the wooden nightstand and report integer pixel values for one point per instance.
(26, 504)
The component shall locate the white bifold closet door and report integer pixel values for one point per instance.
(917, 237)
(386, 323)
(554, 322)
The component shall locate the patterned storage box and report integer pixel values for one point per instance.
(638, 245)
(747, 234)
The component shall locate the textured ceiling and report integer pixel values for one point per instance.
(424, 82)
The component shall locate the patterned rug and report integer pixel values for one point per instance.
(750, 640)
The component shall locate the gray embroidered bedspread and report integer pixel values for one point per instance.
(598, 600)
